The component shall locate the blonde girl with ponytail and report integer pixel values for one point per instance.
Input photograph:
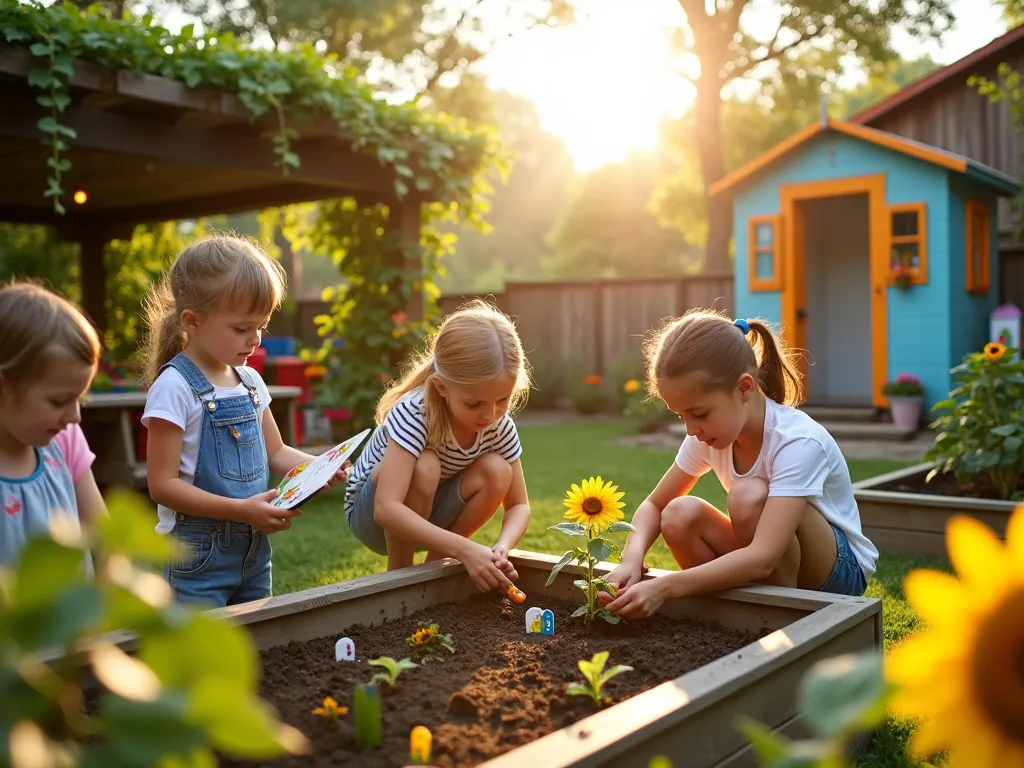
(446, 454)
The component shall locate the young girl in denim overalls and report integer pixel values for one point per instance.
(212, 441)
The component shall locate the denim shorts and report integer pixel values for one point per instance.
(448, 505)
(220, 562)
(847, 577)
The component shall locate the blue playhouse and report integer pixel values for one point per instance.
(876, 254)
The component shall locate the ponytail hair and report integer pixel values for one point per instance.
(475, 344)
(707, 345)
(213, 275)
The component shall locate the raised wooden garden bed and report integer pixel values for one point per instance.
(500, 701)
(903, 515)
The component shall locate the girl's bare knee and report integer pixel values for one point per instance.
(426, 474)
(680, 518)
(491, 474)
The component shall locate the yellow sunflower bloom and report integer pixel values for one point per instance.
(596, 504)
(330, 708)
(422, 636)
(994, 351)
(962, 675)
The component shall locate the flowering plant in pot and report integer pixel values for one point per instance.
(905, 395)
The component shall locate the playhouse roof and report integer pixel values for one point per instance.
(1000, 181)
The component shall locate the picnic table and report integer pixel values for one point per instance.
(110, 421)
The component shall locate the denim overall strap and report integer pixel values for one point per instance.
(231, 462)
(191, 373)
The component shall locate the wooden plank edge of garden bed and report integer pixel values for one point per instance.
(617, 729)
(867, 490)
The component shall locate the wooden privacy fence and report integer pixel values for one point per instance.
(594, 326)
(571, 328)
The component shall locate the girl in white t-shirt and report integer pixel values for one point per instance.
(446, 455)
(213, 441)
(792, 519)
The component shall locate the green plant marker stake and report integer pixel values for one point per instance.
(367, 716)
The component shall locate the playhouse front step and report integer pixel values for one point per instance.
(841, 413)
(879, 430)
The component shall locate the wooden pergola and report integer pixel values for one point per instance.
(151, 149)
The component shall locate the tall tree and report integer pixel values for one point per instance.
(606, 228)
(884, 79)
(728, 50)
(411, 44)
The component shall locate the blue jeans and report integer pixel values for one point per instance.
(847, 577)
(220, 562)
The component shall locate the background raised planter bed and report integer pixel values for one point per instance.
(909, 522)
(691, 717)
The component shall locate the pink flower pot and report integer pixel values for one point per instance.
(906, 411)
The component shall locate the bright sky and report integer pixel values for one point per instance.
(603, 84)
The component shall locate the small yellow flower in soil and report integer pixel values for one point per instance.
(330, 708)
(994, 351)
(422, 636)
(964, 674)
(596, 504)
(632, 386)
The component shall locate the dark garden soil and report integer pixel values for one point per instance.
(978, 487)
(501, 689)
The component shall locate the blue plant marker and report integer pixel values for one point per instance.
(547, 622)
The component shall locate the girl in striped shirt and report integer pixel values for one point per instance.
(446, 455)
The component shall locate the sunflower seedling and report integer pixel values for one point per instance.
(596, 676)
(427, 642)
(593, 508)
(392, 669)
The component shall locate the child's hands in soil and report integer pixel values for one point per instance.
(258, 512)
(628, 573)
(639, 601)
(501, 560)
(480, 564)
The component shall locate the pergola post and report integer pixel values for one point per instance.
(404, 220)
(94, 277)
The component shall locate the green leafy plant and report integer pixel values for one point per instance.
(982, 429)
(428, 642)
(429, 153)
(589, 395)
(593, 509)
(904, 385)
(368, 728)
(392, 669)
(649, 413)
(839, 699)
(164, 705)
(596, 677)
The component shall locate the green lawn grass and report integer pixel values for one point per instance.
(319, 549)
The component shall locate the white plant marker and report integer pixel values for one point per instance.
(344, 650)
(533, 620)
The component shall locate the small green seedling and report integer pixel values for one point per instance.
(596, 676)
(427, 642)
(392, 669)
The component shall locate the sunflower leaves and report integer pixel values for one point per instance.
(572, 529)
(620, 527)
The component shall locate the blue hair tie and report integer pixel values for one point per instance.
(743, 325)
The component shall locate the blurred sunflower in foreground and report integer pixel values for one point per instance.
(963, 675)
